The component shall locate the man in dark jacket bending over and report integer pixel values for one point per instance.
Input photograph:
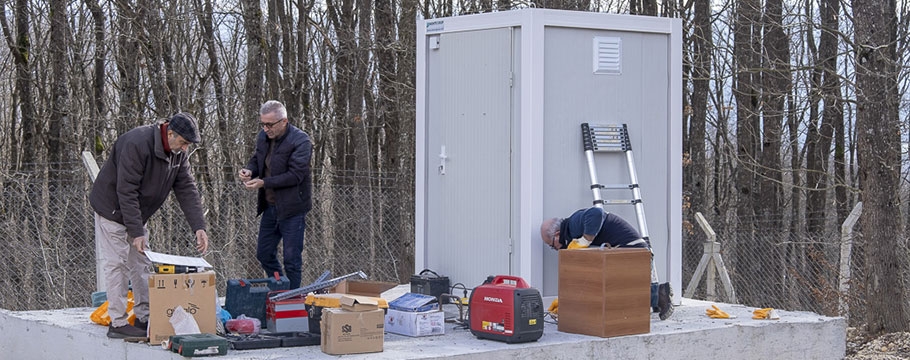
(594, 227)
(280, 170)
(144, 166)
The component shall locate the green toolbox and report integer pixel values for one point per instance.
(198, 345)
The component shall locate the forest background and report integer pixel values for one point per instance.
(794, 112)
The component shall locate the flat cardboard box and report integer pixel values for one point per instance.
(414, 302)
(359, 303)
(363, 287)
(351, 332)
(411, 323)
(194, 292)
(605, 292)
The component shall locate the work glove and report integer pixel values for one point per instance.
(765, 314)
(716, 313)
(579, 243)
(554, 307)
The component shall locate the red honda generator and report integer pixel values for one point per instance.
(505, 308)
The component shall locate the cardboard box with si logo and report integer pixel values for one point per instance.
(354, 331)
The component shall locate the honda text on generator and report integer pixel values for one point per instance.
(505, 308)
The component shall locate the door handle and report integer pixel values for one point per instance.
(442, 160)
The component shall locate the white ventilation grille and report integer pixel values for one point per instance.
(607, 55)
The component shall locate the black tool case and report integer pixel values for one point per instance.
(428, 282)
(249, 342)
(272, 340)
(292, 339)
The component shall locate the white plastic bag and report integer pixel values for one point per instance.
(183, 322)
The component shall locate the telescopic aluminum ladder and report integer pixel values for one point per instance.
(614, 138)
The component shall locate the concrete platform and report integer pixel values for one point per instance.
(688, 334)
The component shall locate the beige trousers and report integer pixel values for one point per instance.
(122, 265)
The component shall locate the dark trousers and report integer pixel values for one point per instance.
(654, 285)
(271, 232)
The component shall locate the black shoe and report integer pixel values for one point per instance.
(664, 303)
(125, 331)
(142, 325)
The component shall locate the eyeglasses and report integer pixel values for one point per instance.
(271, 124)
(554, 243)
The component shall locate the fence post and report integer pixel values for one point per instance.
(846, 249)
(710, 261)
(92, 166)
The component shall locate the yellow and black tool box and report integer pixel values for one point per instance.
(198, 345)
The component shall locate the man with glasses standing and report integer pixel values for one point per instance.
(280, 171)
(146, 164)
(595, 227)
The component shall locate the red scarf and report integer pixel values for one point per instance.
(167, 147)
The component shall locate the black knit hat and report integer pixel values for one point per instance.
(185, 125)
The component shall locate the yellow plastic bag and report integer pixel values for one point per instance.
(101, 317)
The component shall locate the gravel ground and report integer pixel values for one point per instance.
(886, 347)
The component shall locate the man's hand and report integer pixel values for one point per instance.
(245, 175)
(254, 184)
(139, 244)
(202, 241)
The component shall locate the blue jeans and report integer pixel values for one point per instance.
(271, 232)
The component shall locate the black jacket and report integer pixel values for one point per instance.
(607, 228)
(291, 178)
(137, 178)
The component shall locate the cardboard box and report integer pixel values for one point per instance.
(334, 300)
(351, 332)
(315, 303)
(194, 292)
(365, 288)
(358, 303)
(288, 315)
(411, 323)
(605, 292)
(414, 303)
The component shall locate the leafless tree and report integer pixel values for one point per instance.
(878, 137)
(23, 122)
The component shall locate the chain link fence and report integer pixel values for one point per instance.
(357, 223)
(366, 223)
(770, 265)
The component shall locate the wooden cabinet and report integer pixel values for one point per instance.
(605, 292)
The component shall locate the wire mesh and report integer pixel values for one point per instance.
(50, 253)
(365, 223)
(771, 266)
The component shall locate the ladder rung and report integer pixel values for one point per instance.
(607, 127)
(606, 138)
(608, 149)
(614, 186)
(621, 202)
